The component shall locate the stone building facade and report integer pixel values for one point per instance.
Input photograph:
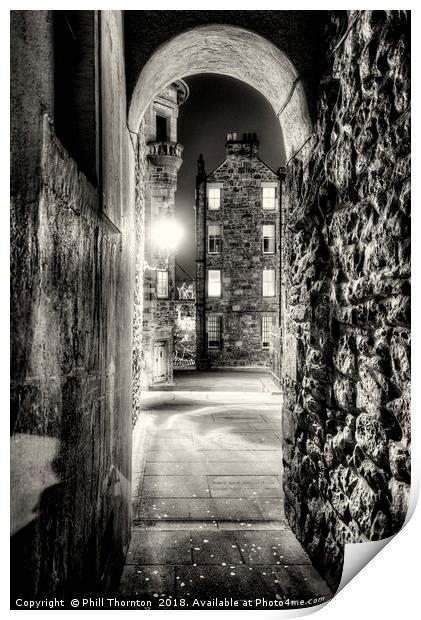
(163, 162)
(237, 257)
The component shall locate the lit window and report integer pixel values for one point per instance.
(268, 282)
(266, 330)
(268, 238)
(214, 239)
(269, 198)
(214, 283)
(214, 331)
(214, 198)
(162, 284)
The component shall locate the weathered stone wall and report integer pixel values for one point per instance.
(71, 309)
(141, 171)
(240, 260)
(345, 305)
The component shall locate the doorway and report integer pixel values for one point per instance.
(160, 355)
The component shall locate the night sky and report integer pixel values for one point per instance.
(218, 104)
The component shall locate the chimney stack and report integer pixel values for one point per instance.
(201, 173)
(248, 145)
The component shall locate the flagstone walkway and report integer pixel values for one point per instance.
(208, 516)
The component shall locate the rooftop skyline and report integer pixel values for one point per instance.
(217, 105)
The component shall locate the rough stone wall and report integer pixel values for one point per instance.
(141, 167)
(345, 305)
(240, 260)
(71, 309)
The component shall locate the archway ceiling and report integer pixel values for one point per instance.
(285, 73)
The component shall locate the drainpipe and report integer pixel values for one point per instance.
(201, 179)
(205, 258)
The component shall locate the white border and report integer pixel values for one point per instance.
(389, 585)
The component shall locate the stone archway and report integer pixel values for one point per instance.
(226, 50)
(221, 49)
(235, 52)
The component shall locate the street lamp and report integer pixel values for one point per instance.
(166, 235)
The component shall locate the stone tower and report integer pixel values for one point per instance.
(238, 245)
(163, 162)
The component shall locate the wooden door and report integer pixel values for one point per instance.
(160, 361)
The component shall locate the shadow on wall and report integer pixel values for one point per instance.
(41, 509)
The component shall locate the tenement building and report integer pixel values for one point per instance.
(162, 162)
(238, 245)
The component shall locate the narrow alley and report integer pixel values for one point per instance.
(208, 517)
(208, 189)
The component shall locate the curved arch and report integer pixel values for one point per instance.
(235, 52)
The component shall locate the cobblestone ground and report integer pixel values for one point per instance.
(208, 515)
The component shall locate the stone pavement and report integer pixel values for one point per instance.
(208, 518)
(226, 380)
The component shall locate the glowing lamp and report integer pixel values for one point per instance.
(166, 234)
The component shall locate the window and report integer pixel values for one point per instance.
(162, 284)
(214, 331)
(161, 128)
(268, 282)
(268, 238)
(266, 330)
(269, 198)
(75, 83)
(214, 198)
(214, 283)
(214, 239)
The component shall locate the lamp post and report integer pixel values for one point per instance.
(166, 234)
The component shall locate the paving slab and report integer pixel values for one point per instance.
(197, 508)
(275, 547)
(210, 547)
(175, 486)
(223, 418)
(188, 524)
(241, 380)
(159, 547)
(238, 440)
(147, 582)
(271, 508)
(217, 582)
(300, 581)
(245, 486)
(270, 467)
(174, 443)
(215, 456)
(252, 525)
